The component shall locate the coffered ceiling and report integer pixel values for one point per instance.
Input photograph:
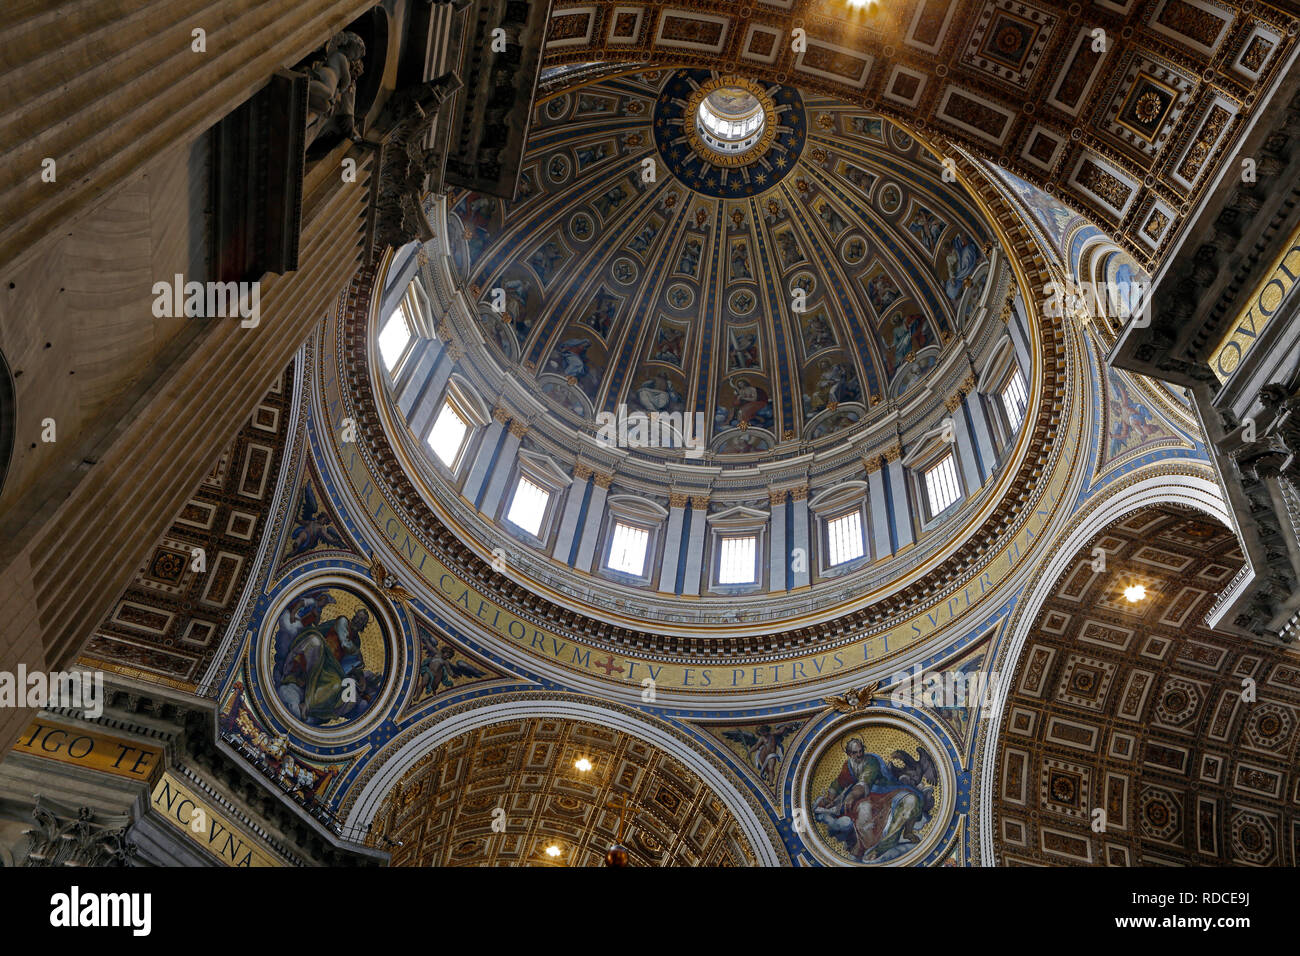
(1124, 109)
(1133, 734)
(502, 795)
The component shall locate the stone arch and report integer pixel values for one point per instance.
(404, 752)
(1133, 707)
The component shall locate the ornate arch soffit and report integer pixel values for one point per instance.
(1160, 485)
(797, 654)
(389, 766)
(1132, 134)
(241, 619)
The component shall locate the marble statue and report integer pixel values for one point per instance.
(331, 91)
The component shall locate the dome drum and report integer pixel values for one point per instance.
(836, 417)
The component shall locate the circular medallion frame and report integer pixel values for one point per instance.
(264, 652)
(817, 836)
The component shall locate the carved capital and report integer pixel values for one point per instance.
(678, 499)
(518, 429)
(776, 496)
(502, 414)
(581, 471)
(893, 453)
(872, 463)
(88, 838)
(952, 402)
(602, 480)
(799, 494)
(699, 502)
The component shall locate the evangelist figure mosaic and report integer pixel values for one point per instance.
(873, 794)
(330, 656)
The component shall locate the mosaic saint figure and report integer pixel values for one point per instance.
(876, 807)
(765, 746)
(927, 228)
(900, 343)
(750, 402)
(817, 333)
(516, 313)
(592, 154)
(882, 292)
(689, 260)
(600, 317)
(669, 347)
(791, 254)
(963, 256)
(571, 356)
(742, 350)
(475, 212)
(315, 526)
(641, 241)
(832, 219)
(860, 178)
(740, 261)
(320, 673)
(868, 126)
(609, 203)
(439, 669)
(658, 395)
(545, 260)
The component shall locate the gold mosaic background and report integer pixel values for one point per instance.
(879, 739)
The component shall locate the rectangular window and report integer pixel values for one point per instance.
(941, 486)
(447, 437)
(1015, 399)
(845, 537)
(394, 337)
(528, 507)
(627, 549)
(736, 565)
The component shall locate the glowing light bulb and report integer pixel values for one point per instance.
(583, 764)
(552, 850)
(1134, 593)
